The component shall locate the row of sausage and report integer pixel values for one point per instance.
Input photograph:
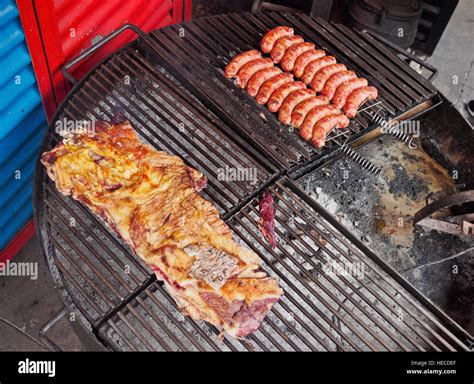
(324, 95)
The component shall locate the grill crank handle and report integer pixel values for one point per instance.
(89, 51)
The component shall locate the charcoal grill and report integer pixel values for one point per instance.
(169, 84)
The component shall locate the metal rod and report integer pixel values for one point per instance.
(394, 275)
(301, 294)
(43, 332)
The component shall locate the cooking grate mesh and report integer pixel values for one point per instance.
(337, 298)
(197, 52)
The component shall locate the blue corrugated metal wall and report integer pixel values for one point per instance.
(22, 124)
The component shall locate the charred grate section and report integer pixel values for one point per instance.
(336, 298)
(197, 52)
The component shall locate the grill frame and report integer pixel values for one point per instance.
(146, 284)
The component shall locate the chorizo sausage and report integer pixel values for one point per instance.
(277, 97)
(314, 66)
(288, 60)
(291, 101)
(272, 36)
(313, 116)
(304, 59)
(282, 44)
(249, 69)
(257, 79)
(357, 97)
(303, 108)
(239, 61)
(323, 74)
(335, 80)
(326, 125)
(344, 90)
(269, 86)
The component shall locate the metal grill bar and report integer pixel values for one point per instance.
(381, 270)
(347, 257)
(346, 292)
(359, 334)
(80, 250)
(120, 263)
(209, 119)
(170, 316)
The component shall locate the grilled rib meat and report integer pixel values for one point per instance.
(155, 207)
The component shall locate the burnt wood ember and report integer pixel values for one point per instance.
(170, 85)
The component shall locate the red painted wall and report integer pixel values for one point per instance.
(58, 30)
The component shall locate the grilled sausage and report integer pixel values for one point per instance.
(304, 59)
(313, 116)
(257, 79)
(249, 69)
(314, 66)
(326, 125)
(323, 74)
(335, 80)
(303, 108)
(345, 89)
(288, 60)
(292, 100)
(269, 86)
(272, 36)
(277, 97)
(239, 61)
(282, 44)
(357, 98)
